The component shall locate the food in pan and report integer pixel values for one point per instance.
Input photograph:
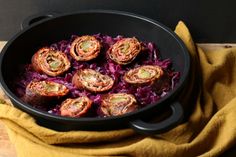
(107, 76)
(77, 107)
(92, 80)
(85, 48)
(125, 50)
(143, 74)
(51, 62)
(117, 104)
(40, 92)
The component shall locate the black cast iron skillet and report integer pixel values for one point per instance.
(48, 28)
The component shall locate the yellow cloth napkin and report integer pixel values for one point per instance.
(209, 128)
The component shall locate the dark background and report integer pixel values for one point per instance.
(208, 20)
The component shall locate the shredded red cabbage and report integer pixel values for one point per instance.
(145, 95)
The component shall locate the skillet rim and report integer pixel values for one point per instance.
(45, 115)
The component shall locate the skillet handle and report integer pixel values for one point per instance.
(160, 127)
(36, 18)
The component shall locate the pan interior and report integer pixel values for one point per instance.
(21, 48)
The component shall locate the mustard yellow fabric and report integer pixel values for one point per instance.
(209, 129)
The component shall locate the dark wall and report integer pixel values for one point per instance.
(209, 20)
